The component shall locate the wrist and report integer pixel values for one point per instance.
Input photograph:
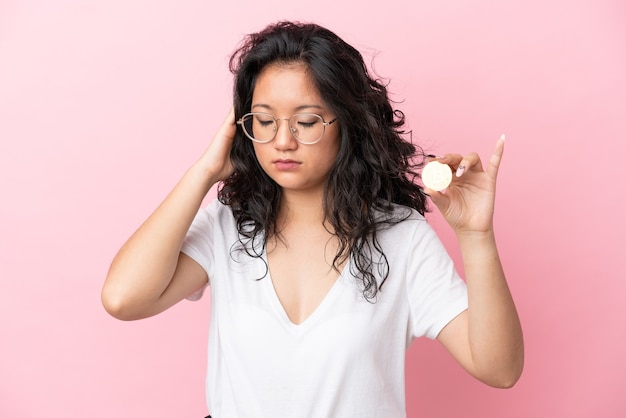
(478, 248)
(201, 176)
(476, 239)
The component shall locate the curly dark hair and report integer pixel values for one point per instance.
(376, 166)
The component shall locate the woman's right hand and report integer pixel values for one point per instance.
(215, 161)
(149, 273)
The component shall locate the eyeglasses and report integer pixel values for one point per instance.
(306, 128)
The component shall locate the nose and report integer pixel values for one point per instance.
(284, 140)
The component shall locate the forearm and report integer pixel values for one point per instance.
(494, 330)
(145, 265)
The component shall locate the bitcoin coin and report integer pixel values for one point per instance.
(436, 176)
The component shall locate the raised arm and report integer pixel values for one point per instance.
(149, 273)
(487, 338)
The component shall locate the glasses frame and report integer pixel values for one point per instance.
(292, 130)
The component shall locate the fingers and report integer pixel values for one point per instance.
(228, 127)
(496, 158)
(461, 164)
(225, 135)
(471, 162)
(216, 158)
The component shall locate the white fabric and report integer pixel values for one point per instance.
(347, 359)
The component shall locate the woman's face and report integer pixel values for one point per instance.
(283, 90)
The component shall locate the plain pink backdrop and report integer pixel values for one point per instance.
(103, 105)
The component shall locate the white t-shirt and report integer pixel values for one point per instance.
(345, 360)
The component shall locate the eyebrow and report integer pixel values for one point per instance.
(297, 109)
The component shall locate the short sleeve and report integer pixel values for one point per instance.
(436, 292)
(199, 243)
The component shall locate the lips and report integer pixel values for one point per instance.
(286, 165)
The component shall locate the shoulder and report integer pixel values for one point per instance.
(216, 207)
(399, 218)
(404, 230)
(213, 220)
(215, 211)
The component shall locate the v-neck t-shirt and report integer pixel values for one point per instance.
(347, 358)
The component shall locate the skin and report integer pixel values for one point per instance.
(149, 274)
(282, 90)
(487, 338)
(300, 259)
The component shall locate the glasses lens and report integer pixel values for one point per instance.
(260, 127)
(307, 127)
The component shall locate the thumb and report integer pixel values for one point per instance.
(438, 198)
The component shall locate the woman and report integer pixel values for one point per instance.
(321, 266)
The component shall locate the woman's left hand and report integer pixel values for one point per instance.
(468, 203)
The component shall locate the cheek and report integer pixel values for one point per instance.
(326, 160)
(259, 154)
(258, 151)
(333, 151)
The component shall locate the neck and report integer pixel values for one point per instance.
(298, 208)
(301, 219)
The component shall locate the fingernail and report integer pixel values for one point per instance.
(460, 170)
(502, 137)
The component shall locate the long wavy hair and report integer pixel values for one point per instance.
(376, 166)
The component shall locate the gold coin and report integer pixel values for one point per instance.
(436, 176)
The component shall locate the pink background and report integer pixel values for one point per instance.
(103, 104)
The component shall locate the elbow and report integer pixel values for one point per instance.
(117, 305)
(504, 370)
(505, 377)
(505, 381)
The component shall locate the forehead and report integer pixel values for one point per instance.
(285, 86)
